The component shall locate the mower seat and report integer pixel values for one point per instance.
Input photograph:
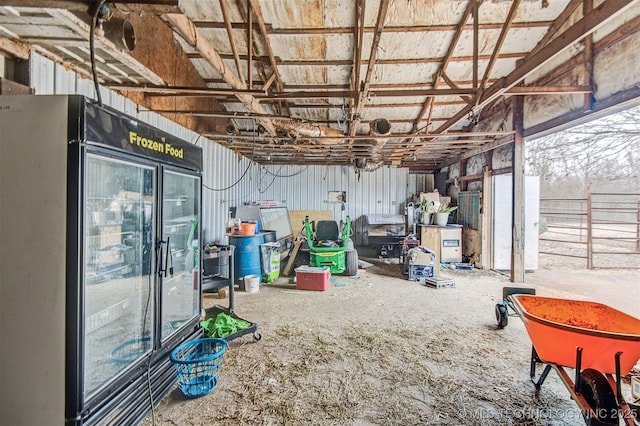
(327, 230)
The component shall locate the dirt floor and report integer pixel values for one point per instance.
(378, 349)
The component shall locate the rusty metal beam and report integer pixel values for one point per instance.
(445, 61)
(255, 7)
(629, 28)
(628, 97)
(347, 62)
(261, 94)
(357, 53)
(184, 91)
(557, 24)
(364, 90)
(548, 90)
(192, 35)
(390, 29)
(358, 37)
(496, 50)
(577, 32)
(148, 6)
(442, 138)
(428, 104)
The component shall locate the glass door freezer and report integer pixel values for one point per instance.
(100, 246)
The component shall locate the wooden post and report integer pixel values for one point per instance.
(517, 161)
(638, 229)
(487, 217)
(589, 230)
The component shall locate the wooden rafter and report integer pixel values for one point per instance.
(358, 37)
(249, 44)
(476, 29)
(453, 85)
(255, 7)
(445, 61)
(533, 62)
(148, 6)
(557, 24)
(229, 95)
(347, 62)
(428, 104)
(364, 90)
(389, 29)
(587, 8)
(357, 53)
(192, 35)
(451, 138)
(232, 41)
(496, 50)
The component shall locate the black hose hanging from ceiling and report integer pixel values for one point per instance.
(92, 30)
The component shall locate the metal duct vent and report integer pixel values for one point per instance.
(368, 152)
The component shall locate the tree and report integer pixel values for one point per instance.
(606, 149)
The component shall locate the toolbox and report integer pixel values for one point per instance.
(417, 272)
(438, 282)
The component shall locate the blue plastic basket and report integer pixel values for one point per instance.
(197, 363)
(129, 351)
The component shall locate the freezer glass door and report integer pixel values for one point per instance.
(119, 224)
(180, 228)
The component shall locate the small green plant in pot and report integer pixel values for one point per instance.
(427, 208)
(441, 216)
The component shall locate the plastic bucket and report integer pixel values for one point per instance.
(251, 283)
(269, 236)
(248, 228)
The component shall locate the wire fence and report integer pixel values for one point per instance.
(602, 228)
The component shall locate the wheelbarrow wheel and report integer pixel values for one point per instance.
(502, 316)
(595, 389)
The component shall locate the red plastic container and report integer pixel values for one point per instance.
(312, 278)
(557, 326)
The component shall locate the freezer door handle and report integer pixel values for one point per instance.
(168, 263)
(159, 257)
(164, 260)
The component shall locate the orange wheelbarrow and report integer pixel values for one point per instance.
(600, 343)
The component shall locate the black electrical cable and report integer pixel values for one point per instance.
(253, 150)
(285, 176)
(144, 326)
(233, 184)
(144, 332)
(197, 139)
(272, 181)
(94, 23)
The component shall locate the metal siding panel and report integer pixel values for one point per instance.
(41, 74)
(64, 81)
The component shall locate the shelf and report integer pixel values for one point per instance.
(213, 283)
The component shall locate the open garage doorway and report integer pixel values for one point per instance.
(590, 193)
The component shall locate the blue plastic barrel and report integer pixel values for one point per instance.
(247, 255)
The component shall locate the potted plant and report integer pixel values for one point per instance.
(426, 208)
(441, 216)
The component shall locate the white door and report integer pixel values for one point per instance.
(502, 223)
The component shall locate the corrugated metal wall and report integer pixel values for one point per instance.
(230, 181)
